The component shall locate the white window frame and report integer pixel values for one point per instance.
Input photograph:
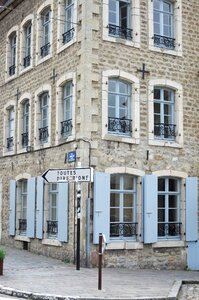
(177, 87)
(52, 192)
(61, 26)
(28, 21)
(45, 7)
(135, 106)
(177, 29)
(37, 117)
(12, 32)
(24, 97)
(134, 23)
(23, 203)
(68, 77)
(10, 106)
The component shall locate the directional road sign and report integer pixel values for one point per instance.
(68, 175)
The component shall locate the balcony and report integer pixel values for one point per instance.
(26, 61)
(43, 134)
(10, 143)
(120, 125)
(123, 230)
(24, 140)
(45, 50)
(164, 41)
(120, 32)
(68, 35)
(52, 228)
(66, 127)
(169, 229)
(22, 225)
(166, 131)
(12, 70)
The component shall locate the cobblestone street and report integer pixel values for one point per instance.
(189, 292)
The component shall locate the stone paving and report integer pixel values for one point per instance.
(28, 275)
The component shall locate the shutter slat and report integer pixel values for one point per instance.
(31, 208)
(101, 221)
(191, 209)
(63, 212)
(39, 208)
(12, 215)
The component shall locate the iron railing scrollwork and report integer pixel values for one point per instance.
(52, 227)
(10, 143)
(68, 35)
(165, 130)
(43, 134)
(121, 32)
(66, 127)
(120, 125)
(22, 225)
(45, 50)
(26, 61)
(24, 140)
(123, 229)
(164, 41)
(12, 70)
(169, 229)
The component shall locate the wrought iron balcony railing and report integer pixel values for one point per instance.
(52, 227)
(68, 35)
(45, 50)
(43, 134)
(164, 41)
(169, 229)
(123, 229)
(167, 131)
(24, 140)
(66, 127)
(12, 70)
(10, 143)
(22, 225)
(26, 61)
(120, 125)
(121, 32)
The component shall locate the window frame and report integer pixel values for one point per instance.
(10, 106)
(12, 33)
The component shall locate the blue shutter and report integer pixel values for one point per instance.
(39, 208)
(63, 212)
(150, 208)
(31, 208)
(101, 221)
(12, 216)
(191, 209)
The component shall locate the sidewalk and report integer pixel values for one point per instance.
(39, 277)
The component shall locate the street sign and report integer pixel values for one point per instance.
(72, 156)
(68, 175)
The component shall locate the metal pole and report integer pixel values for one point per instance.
(100, 262)
(78, 226)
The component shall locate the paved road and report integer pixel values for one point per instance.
(38, 275)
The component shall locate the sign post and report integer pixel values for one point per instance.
(78, 225)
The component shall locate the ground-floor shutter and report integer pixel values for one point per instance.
(63, 212)
(101, 221)
(12, 209)
(191, 209)
(150, 208)
(31, 208)
(39, 207)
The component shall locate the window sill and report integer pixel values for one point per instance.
(51, 242)
(124, 139)
(122, 245)
(22, 238)
(42, 146)
(24, 70)
(65, 46)
(131, 43)
(165, 50)
(42, 60)
(165, 143)
(168, 244)
(9, 78)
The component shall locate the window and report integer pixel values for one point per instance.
(66, 124)
(68, 28)
(52, 223)
(164, 118)
(163, 24)
(119, 112)
(119, 19)
(43, 130)
(123, 206)
(13, 49)
(10, 134)
(27, 57)
(169, 225)
(165, 113)
(23, 207)
(25, 133)
(46, 22)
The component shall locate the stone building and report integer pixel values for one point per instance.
(115, 84)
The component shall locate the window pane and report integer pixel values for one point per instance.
(161, 215)
(115, 201)
(111, 100)
(128, 216)
(156, 108)
(173, 203)
(157, 94)
(172, 215)
(161, 201)
(115, 182)
(156, 4)
(128, 200)
(166, 7)
(129, 183)
(114, 215)
(53, 214)
(173, 186)
(161, 184)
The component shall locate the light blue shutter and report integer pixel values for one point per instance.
(31, 208)
(101, 221)
(39, 208)
(191, 209)
(150, 208)
(63, 212)
(12, 216)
